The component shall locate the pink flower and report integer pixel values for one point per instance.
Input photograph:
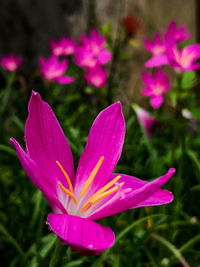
(63, 47)
(145, 120)
(155, 86)
(53, 70)
(92, 51)
(94, 192)
(177, 34)
(96, 76)
(184, 59)
(11, 62)
(157, 48)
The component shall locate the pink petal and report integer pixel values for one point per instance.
(106, 139)
(82, 235)
(193, 67)
(64, 79)
(96, 38)
(147, 78)
(178, 34)
(156, 61)
(146, 92)
(134, 193)
(96, 76)
(104, 56)
(148, 44)
(156, 101)
(37, 177)
(193, 51)
(162, 78)
(157, 38)
(46, 143)
(159, 198)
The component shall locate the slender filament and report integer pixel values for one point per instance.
(107, 193)
(104, 188)
(95, 198)
(66, 176)
(91, 177)
(69, 193)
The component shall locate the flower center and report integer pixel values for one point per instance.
(159, 49)
(158, 89)
(186, 58)
(105, 191)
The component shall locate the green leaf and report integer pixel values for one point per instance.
(188, 80)
(48, 243)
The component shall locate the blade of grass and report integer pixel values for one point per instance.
(49, 241)
(8, 149)
(190, 243)
(78, 262)
(172, 248)
(195, 160)
(12, 241)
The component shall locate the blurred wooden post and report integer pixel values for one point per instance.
(197, 19)
(91, 15)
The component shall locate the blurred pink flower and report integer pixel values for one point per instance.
(93, 192)
(11, 62)
(63, 47)
(177, 34)
(157, 48)
(155, 86)
(96, 76)
(145, 120)
(92, 51)
(184, 59)
(53, 70)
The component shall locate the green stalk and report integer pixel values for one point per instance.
(178, 116)
(8, 89)
(57, 256)
(147, 142)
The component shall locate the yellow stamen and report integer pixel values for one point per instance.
(91, 177)
(107, 193)
(102, 193)
(69, 193)
(105, 187)
(86, 206)
(66, 176)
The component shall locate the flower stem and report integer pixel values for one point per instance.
(57, 256)
(177, 119)
(8, 90)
